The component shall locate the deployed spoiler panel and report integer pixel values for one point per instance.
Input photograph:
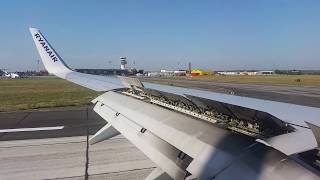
(243, 120)
(257, 121)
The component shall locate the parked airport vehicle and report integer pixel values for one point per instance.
(194, 134)
(11, 75)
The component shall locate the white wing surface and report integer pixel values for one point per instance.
(194, 134)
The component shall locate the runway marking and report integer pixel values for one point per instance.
(31, 129)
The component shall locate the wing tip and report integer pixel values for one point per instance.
(33, 29)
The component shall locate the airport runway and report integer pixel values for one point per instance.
(61, 154)
(302, 95)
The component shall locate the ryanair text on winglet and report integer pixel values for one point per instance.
(46, 48)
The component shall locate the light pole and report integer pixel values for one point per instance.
(38, 65)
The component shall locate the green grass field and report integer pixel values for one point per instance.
(295, 80)
(44, 92)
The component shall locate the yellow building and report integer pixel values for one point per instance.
(199, 72)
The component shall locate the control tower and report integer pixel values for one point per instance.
(123, 62)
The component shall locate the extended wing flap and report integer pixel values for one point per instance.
(159, 151)
(170, 136)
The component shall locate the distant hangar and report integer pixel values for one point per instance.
(104, 71)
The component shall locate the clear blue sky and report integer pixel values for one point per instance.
(214, 34)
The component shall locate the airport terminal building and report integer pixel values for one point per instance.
(105, 72)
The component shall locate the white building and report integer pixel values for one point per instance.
(228, 73)
(265, 72)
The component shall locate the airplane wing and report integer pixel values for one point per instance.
(194, 134)
(55, 65)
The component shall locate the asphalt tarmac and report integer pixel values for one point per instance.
(301, 95)
(65, 153)
(76, 121)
